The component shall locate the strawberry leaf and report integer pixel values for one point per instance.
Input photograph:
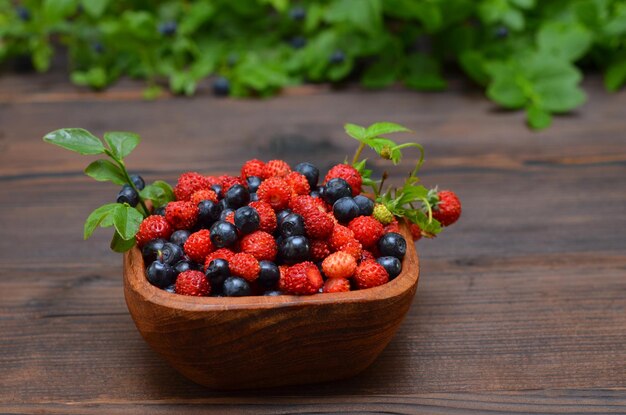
(383, 128)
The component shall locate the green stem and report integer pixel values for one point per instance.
(430, 209)
(421, 159)
(120, 163)
(382, 181)
(357, 154)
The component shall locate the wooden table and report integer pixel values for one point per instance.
(521, 306)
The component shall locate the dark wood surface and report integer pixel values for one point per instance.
(521, 306)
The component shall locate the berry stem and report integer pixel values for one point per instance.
(120, 163)
(357, 154)
(421, 159)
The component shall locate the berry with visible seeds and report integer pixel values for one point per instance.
(245, 266)
(392, 244)
(253, 183)
(347, 173)
(392, 265)
(394, 226)
(204, 194)
(367, 255)
(291, 225)
(268, 274)
(153, 227)
(318, 249)
(128, 195)
(336, 285)
(237, 196)
(382, 214)
(247, 220)
(222, 253)
(208, 213)
(335, 189)
(294, 249)
(298, 183)
(309, 171)
(236, 287)
(189, 183)
(221, 87)
(267, 216)
(193, 283)
(179, 237)
(366, 205)
(301, 279)
(416, 231)
(181, 215)
(260, 245)
(160, 274)
(216, 272)
(138, 181)
(366, 229)
(277, 168)
(370, 274)
(353, 248)
(199, 245)
(253, 168)
(340, 236)
(171, 253)
(339, 265)
(346, 209)
(276, 192)
(151, 249)
(448, 208)
(223, 234)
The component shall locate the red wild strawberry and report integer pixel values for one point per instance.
(349, 174)
(192, 283)
(211, 180)
(188, 184)
(153, 227)
(416, 231)
(318, 249)
(230, 181)
(260, 245)
(181, 215)
(245, 266)
(199, 245)
(339, 265)
(370, 274)
(204, 194)
(298, 183)
(448, 209)
(230, 218)
(336, 285)
(353, 248)
(392, 227)
(253, 167)
(341, 235)
(317, 224)
(267, 216)
(367, 256)
(366, 229)
(277, 168)
(301, 279)
(222, 253)
(276, 192)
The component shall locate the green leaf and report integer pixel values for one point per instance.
(102, 216)
(537, 118)
(367, 16)
(126, 220)
(383, 128)
(121, 143)
(523, 4)
(75, 139)
(473, 64)
(121, 245)
(559, 96)
(615, 75)
(106, 171)
(568, 41)
(506, 93)
(423, 73)
(159, 192)
(55, 10)
(356, 131)
(95, 8)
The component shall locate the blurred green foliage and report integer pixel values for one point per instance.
(526, 54)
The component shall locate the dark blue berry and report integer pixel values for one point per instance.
(292, 225)
(254, 197)
(236, 287)
(171, 253)
(391, 264)
(23, 13)
(168, 28)
(223, 234)
(316, 194)
(161, 274)
(128, 195)
(253, 183)
(272, 293)
(217, 189)
(309, 171)
(346, 209)
(208, 213)
(268, 275)
(232, 60)
(294, 249)
(237, 196)
(297, 42)
(247, 219)
(501, 32)
(179, 237)
(184, 265)
(366, 205)
(224, 205)
(159, 211)
(282, 215)
(337, 57)
(221, 87)
(297, 13)
(392, 244)
(99, 48)
(150, 250)
(138, 181)
(335, 189)
(217, 272)
(171, 288)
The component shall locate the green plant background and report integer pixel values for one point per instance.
(525, 53)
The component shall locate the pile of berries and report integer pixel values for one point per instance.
(273, 230)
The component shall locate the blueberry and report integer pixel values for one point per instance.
(269, 274)
(138, 181)
(99, 48)
(272, 293)
(297, 13)
(217, 189)
(294, 249)
(168, 28)
(337, 57)
(309, 171)
(391, 264)
(217, 272)
(179, 237)
(247, 219)
(501, 32)
(208, 213)
(223, 204)
(128, 195)
(223, 234)
(236, 287)
(184, 265)
(346, 209)
(172, 253)
(316, 193)
(297, 42)
(150, 250)
(254, 197)
(392, 244)
(253, 183)
(366, 205)
(291, 225)
(171, 288)
(336, 189)
(281, 215)
(161, 274)
(23, 13)
(237, 196)
(232, 59)
(221, 87)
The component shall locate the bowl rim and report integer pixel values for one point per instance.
(134, 270)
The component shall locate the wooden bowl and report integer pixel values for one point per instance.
(254, 342)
